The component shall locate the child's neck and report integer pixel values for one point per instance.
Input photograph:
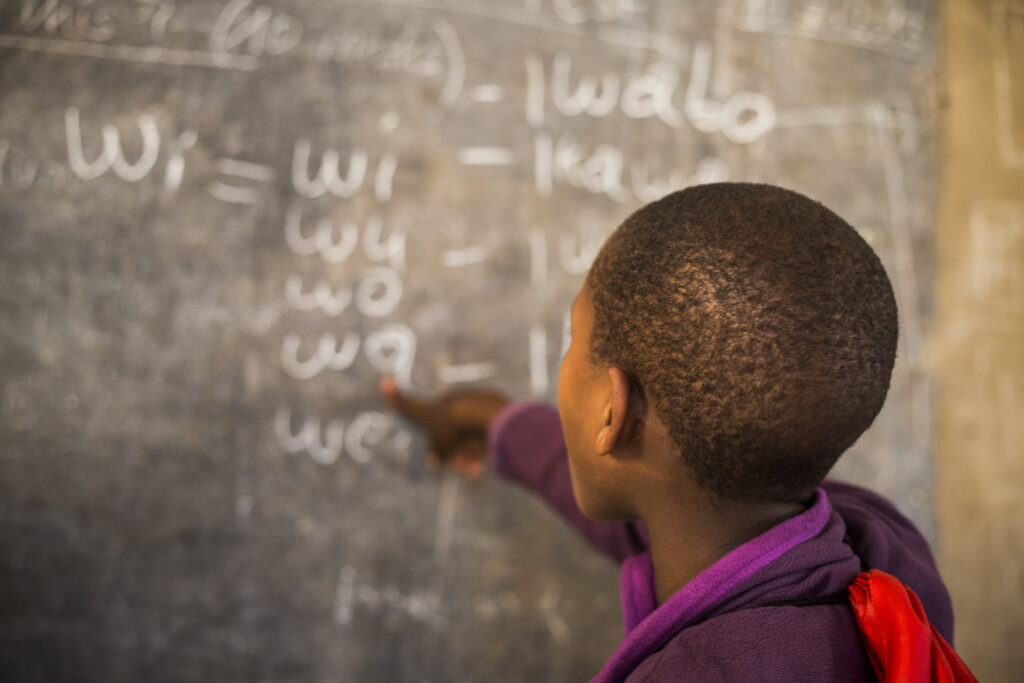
(686, 542)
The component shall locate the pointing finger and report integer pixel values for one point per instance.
(468, 466)
(406, 405)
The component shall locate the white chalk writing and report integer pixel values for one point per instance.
(352, 596)
(606, 170)
(390, 351)
(886, 27)
(335, 243)
(258, 29)
(111, 156)
(324, 443)
(742, 117)
(329, 177)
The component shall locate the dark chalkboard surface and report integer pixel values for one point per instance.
(222, 222)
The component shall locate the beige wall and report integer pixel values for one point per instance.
(978, 339)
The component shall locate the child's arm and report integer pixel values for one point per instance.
(524, 441)
(527, 447)
(456, 423)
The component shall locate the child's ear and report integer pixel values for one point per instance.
(620, 415)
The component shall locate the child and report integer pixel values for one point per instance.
(729, 343)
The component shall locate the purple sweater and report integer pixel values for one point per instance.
(773, 609)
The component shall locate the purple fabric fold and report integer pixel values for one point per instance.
(637, 590)
(721, 625)
(648, 632)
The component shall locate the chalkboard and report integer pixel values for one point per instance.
(223, 222)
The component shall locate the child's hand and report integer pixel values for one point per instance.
(456, 423)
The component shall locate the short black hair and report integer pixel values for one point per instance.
(760, 324)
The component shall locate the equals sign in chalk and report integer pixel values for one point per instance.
(487, 93)
(244, 171)
(457, 258)
(486, 156)
(467, 372)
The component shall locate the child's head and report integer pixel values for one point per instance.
(758, 323)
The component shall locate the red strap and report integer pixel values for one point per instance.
(902, 645)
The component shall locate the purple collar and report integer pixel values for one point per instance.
(649, 627)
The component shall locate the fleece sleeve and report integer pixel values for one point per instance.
(527, 447)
